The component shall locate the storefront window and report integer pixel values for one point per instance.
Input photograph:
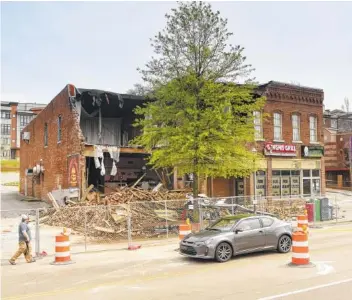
(315, 173)
(285, 183)
(260, 183)
(306, 173)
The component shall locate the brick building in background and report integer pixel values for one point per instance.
(291, 141)
(14, 117)
(337, 139)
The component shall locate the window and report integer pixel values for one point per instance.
(45, 135)
(258, 127)
(296, 128)
(5, 141)
(24, 120)
(5, 115)
(334, 123)
(5, 153)
(285, 183)
(267, 222)
(277, 126)
(260, 183)
(315, 173)
(5, 129)
(249, 224)
(313, 129)
(59, 129)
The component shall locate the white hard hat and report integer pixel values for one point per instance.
(24, 217)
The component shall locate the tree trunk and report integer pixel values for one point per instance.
(195, 185)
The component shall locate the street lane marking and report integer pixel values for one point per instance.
(86, 287)
(317, 287)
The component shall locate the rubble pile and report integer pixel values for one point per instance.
(150, 213)
(285, 209)
(107, 218)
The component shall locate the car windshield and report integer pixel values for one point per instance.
(223, 224)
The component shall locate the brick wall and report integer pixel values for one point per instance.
(54, 155)
(289, 100)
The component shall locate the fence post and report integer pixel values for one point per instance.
(166, 222)
(200, 217)
(85, 229)
(313, 213)
(232, 206)
(336, 209)
(37, 233)
(129, 230)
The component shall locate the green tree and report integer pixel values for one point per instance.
(201, 118)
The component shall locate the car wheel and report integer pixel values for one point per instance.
(284, 244)
(223, 252)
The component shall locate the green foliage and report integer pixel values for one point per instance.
(208, 137)
(201, 119)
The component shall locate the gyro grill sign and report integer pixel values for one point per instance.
(271, 149)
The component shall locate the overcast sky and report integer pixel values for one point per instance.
(99, 45)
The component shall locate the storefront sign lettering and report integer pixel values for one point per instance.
(271, 149)
(312, 151)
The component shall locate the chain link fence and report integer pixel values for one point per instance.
(112, 227)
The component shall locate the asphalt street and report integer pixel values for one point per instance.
(159, 272)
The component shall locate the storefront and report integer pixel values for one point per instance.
(285, 174)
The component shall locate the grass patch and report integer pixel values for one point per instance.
(12, 183)
(8, 165)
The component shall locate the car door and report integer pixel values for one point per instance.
(251, 236)
(269, 231)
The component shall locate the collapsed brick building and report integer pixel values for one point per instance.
(61, 152)
(82, 129)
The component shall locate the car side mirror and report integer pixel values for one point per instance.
(238, 230)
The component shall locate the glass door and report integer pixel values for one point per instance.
(316, 186)
(306, 186)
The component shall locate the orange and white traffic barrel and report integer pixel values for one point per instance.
(62, 250)
(184, 229)
(302, 223)
(300, 249)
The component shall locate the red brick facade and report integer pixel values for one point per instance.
(287, 100)
(282, 98)
(54, 156)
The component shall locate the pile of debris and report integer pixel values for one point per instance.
(150, 213)
(108, 217)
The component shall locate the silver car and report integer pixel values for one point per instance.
(239, 234)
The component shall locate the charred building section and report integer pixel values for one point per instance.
(82, 138)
